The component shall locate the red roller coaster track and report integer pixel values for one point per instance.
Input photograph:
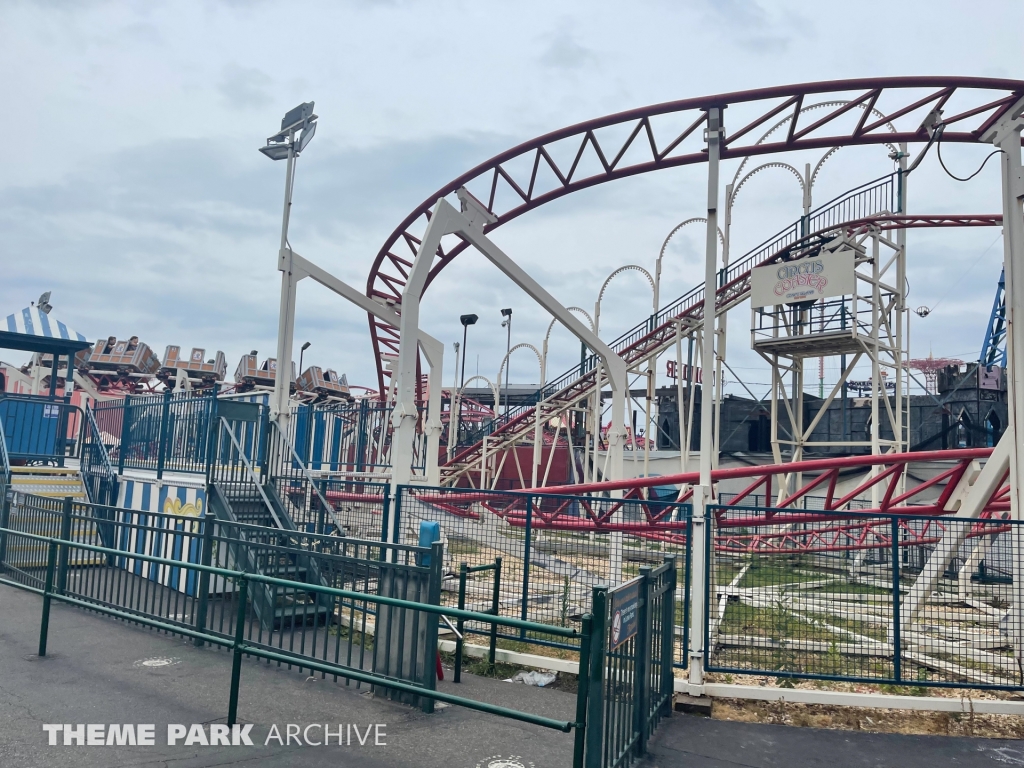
(975, 103)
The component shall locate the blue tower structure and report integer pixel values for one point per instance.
(993, 350)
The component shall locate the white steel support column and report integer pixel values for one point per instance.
(1007, 136)
(703, 492)
(469, 224)
(279, 405)
(433, 350)
(611, 362)
(443, 220)
(877, 387)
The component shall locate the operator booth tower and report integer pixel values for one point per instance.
(840, 295)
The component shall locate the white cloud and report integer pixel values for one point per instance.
(135, 191)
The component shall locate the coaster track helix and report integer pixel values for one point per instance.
(560, 163)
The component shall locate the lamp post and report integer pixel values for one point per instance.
(302, 351)
(297, 129)
(466, 320)
(507, 324)
(453, 407)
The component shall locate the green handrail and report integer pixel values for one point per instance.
(240, 648)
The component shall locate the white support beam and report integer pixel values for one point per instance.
(972, 497)
(704, 493)
(468, 224)
(433, 350)
(1006, 135)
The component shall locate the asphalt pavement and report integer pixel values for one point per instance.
(104, 672)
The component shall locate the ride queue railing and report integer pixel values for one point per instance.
(166, 433)
(97, 470)
(635, 692)
(55, 585)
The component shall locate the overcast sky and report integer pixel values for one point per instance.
(131, 187)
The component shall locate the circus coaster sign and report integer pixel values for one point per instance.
(816, 277)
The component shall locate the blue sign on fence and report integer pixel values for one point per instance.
(625, 602)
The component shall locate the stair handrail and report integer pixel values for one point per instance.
(308, 475)
(5, 463)
(743, 264)
(250, 471)
(96, 438)
(240, 551)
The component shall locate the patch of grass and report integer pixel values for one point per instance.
(773, 571)
(462, 547)
(850, 588)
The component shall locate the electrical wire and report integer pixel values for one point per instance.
(967, 271)
(952, 175)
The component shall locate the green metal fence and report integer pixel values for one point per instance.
(363, 612)
(54, 580)
(164, 433)
(236, 639)
(282, 617)
(631, 684)
(902, 600)
(554, 549)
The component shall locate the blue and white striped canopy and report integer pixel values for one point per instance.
(31, 322)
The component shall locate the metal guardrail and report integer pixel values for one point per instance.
(635, 685)
(353, 438)
(292, 478)
(167, 432)
(238, 459)
(97, 469)
(5, 463)
(54, 588)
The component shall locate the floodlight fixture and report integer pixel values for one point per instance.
(276, 151)
(284, 144)
(468, 319)
(305, 136)
(297, 117)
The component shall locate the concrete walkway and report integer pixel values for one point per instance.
(96, 672)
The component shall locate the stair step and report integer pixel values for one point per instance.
(288, 617)
(43, 471)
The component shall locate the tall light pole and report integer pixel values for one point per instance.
(453, 407)
(466, 320)
(507, 324)
(297, 129)
(302, 351)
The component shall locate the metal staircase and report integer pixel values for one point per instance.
(253, 518)
(52, 482)
(684, 316)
